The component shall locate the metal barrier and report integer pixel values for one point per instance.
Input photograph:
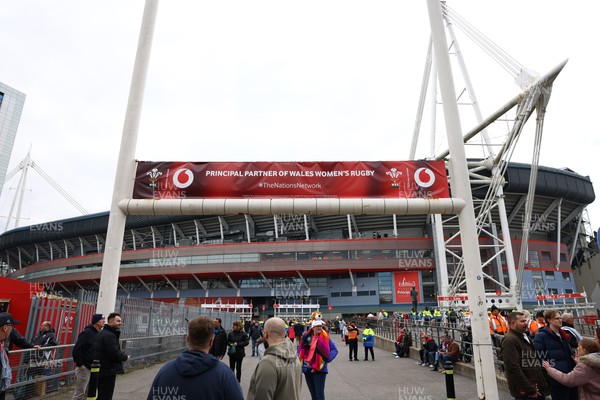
(460, 332)
(47, 370)
(152, 331)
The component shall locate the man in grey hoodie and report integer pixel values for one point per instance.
(278, 376)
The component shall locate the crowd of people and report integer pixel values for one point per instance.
(542, 355)
(548, 356)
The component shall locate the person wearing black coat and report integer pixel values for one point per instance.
(108, 351)
(83, 355)
(38, 360)
(15, 338)
(237, 340)
(298, 331)
(219, 346)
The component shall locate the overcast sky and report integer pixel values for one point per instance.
(273, 81)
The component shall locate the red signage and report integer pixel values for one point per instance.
(341, 179)
(403, 284)
(330, 307)
(561, 296)
(453, 298)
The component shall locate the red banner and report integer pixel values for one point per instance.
(561, 296)
(395, 179)
(403, 284)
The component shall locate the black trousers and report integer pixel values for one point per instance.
(2, 395)
(235, 364)
(353, 349)
(106, 387)
(367, 350)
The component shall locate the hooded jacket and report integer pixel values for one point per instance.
(585, 376)
(192, 373)
(278, 375)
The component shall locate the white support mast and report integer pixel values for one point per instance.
(125, 173)
(482, 345)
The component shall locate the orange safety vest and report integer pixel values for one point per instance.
(498, 324)
(533, 326)
(352, 334)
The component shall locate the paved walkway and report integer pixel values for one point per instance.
(383, 379)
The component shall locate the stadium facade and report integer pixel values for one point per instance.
(351, 263)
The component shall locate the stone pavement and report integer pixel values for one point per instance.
(382, 379)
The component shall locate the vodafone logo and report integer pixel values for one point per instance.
(424, 177)
(183, 178)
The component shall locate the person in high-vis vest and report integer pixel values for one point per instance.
(427, 315)
(368, 342)
(498, 323)
(352, 341)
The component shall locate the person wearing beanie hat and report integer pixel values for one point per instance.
(83, 355)
(96, 318)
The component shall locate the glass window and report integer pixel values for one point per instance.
(549, 275)
(546, 255)
(429, 293)
(563, 257)
(346, 294)
(365, 274)
(566, 276)
(534, 259)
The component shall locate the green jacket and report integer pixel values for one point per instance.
(278, 376)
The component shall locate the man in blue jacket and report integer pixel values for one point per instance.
(196, 370)
(83, 355)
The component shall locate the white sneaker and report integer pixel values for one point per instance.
(396, 356)
(430, 365)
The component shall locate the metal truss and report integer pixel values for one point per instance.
(487, 176)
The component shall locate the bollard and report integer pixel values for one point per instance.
(449, 367)
(93, 385)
